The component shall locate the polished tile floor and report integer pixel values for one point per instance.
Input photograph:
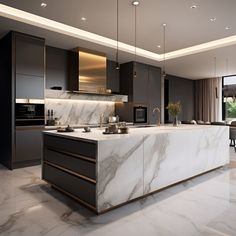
(205, 205)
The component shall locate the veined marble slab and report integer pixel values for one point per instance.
(150, 162)
(120, 171)
(170, 158)
(71, 112)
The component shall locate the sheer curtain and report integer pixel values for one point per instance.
(208, 99)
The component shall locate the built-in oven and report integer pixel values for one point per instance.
(140, 114)
(29, 114)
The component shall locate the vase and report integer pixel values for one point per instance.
(175, 121)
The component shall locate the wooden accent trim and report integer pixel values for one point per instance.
(71, 172)
(71, 154)
(74, 197)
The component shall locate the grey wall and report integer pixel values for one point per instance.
(56, 67)
(182, 90)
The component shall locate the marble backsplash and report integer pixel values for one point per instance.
(73, 112)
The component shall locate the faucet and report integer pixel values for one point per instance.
(101, 119)
(158, 115)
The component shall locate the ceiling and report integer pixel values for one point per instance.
(186, 27)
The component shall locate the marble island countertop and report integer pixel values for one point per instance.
(147, 159)
(97, 135)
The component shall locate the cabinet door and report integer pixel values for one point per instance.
(140, 84)
(113, 81)
(29, 55)
(28, 144)
(154, 92)
(28, 86)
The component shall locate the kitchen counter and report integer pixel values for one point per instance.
(130, 166)
(96, 133)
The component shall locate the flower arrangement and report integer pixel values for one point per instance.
(174, 108)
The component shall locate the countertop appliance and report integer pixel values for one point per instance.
(140, 114)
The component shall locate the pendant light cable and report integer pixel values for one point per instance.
(164, 49)
(135, 39)
(117, 35)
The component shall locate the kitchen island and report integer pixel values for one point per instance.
(106, 171)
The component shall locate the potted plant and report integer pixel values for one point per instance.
(174, 109)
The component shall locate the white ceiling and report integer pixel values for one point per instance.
(185, 27)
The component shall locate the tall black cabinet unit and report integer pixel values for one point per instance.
(22, 76)
(142, 90)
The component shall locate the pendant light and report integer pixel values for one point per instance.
(117, 35)
(135, 4)
(164, 50)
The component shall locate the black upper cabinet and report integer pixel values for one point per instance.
(113, 81)
(154, 92)
(57, 67)
(135, 86)
(29, 55)
(144, 89)
(29, 65)
(140, 84)
(30, 87)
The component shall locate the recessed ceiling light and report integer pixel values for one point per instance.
(193, 6)
(83, 18)
(43, 4)
(227, 27)
(135, 3)
(213, 19)
(159, 46)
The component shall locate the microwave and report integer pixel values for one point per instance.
(28, 114)
(140, 114)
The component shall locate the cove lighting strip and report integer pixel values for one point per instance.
(54, 26)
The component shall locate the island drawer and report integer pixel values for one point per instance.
(71, 162)
(71, 184)
(73, 146)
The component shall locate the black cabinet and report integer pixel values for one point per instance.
(113, 81)
(57, 67)
(28, 86)
(29, 66)
(181, 89)
(70, 166)
(29, 55)
(28, 145)
(142, 89)
(140, 84)
(135, 86)
(22, 76)
(154, 92)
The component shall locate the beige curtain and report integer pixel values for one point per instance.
(208, 99)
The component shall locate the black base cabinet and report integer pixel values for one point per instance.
(70, 167)
(28, 146)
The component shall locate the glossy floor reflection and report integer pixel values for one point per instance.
(205, 205)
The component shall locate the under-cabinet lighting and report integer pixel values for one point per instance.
(29, 100)
(78, 101)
